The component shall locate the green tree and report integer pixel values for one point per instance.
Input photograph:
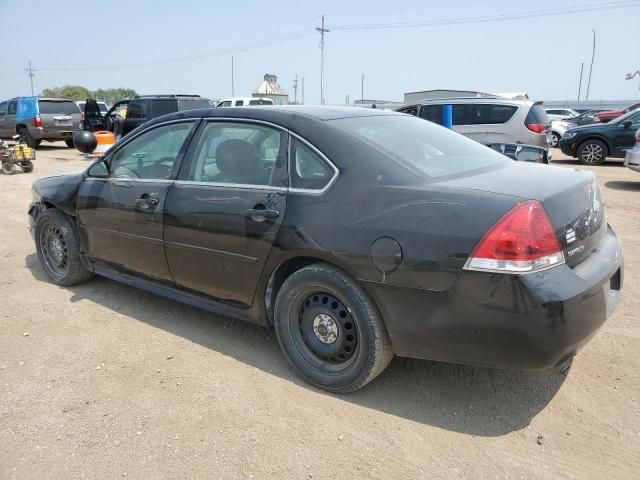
(113, 95)
(70, 92)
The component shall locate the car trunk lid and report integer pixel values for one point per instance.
(571, 198)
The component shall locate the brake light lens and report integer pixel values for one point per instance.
(522, 241)
(37, 121)
(537, 127)
(638, 138)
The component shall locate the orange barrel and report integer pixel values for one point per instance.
(105, 140)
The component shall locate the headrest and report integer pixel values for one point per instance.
(237, 156)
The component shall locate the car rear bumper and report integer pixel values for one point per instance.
(49, 134)
(532, 321)
(632, 159)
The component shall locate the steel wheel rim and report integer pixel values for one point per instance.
(54, 249)
(328, 330)
(554, 140)
(592, 153)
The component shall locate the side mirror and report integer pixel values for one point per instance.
(627, 123)
(100, 169)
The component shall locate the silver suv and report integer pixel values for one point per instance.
(55, 119)
(490, 120)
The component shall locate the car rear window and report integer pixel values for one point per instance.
(58, 107)
(537, 114)
(260, 102)
(426, 148)
(195, 104)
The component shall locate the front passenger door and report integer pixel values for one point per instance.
(120, 217)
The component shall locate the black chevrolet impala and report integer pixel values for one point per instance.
(356, 234)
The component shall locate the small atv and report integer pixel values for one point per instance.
(19, 154)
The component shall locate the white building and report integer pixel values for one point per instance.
(270, 88)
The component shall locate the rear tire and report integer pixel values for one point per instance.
(329, 329)
(7, 168)
(58, 249)
(28, 139)
(69, 143)
(27, 166)
(592, 152)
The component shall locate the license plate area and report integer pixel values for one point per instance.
(62, 123)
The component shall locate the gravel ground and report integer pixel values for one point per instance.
(104, 381)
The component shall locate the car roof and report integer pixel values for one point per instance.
(492, 99)
(285, 115)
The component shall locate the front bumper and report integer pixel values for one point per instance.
(531, 321)
(632, 159)
(568, 147)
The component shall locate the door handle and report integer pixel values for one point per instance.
(145, 202)
(261, 214)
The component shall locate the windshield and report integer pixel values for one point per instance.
(426, 147)
(623, 118)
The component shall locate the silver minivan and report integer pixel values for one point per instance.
(490, 120)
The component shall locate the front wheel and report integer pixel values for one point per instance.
(58, 249)
(555, 139)
(592, 152)
(329, 330)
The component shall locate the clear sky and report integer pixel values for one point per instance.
(162, 46)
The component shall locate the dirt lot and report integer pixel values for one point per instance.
(105, 381)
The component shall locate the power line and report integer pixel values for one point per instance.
(490, 18)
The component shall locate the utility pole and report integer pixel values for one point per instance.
(31, 75)
(322, 31)
(295, 90)
(302, 91)
(362, 88)
(593, 54)
(580, 84)
(232, 88)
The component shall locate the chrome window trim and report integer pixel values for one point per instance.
(323, 157)
(128, 180)
(246, 186)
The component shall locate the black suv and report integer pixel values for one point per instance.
(592, 144)
(140, 109)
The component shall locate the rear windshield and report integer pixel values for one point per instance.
(426, 148)
(260, 102)
(537, 114)
(57, 107)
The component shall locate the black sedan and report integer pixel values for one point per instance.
(356, 234)
(592, 144)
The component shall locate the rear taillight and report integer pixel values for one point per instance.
(81, 117)
(537, 127)
(522, 241)
(638, 138)
(37, 121)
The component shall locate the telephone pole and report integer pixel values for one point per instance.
(302, 91)
(580, 84)
(593, 54)
(31, 75)
(295, 90)
(322, 31)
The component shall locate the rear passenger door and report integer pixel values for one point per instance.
(224, 211)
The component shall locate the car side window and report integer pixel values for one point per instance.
(236, 153)
(433, 113)
(137, 110)
(308, 170)
(635, 119)
(226, 103)
(13, 106)
(152, 154)
(3, 108)
(239, 103)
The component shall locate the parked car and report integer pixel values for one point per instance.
(560, 113)
(521, 152)
(102, 108)
(141, 109)
(243, 102)
(592, 144)
(609, 115)
(356, 234)
(490, 120)
(585, 118)
(49, 119)
(632, 157)
(558, 128)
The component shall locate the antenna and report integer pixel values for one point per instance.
(322, 31)
(31, 75)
